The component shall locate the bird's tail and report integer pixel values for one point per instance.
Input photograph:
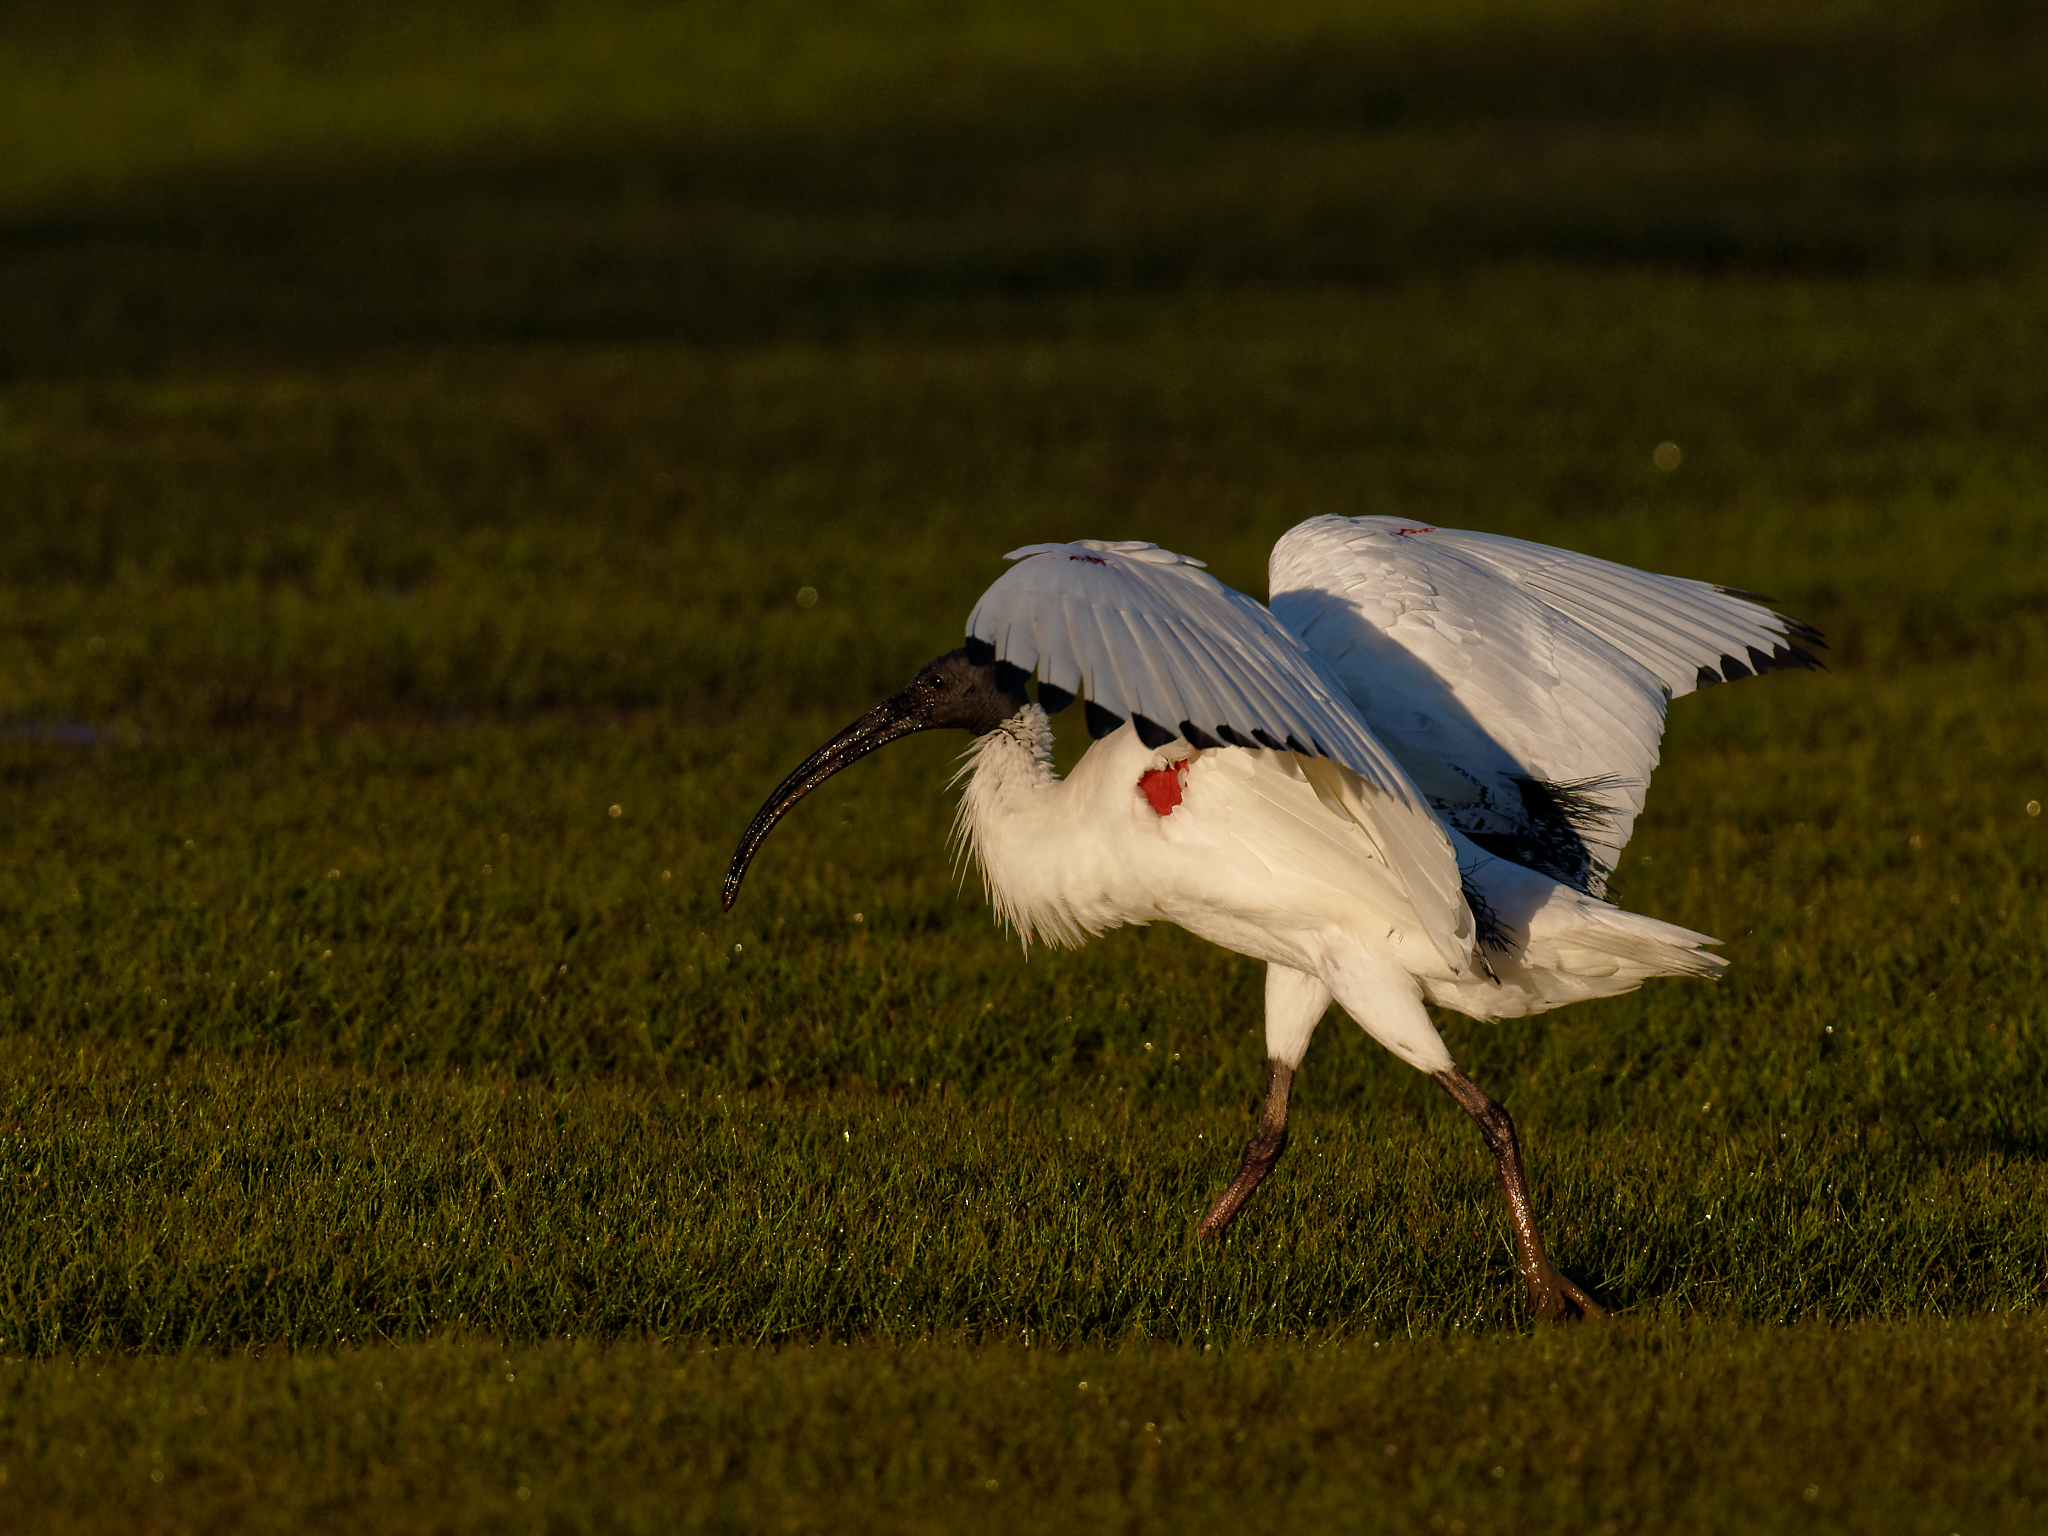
(1550, 945)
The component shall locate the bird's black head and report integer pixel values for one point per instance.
(954, 689)
(976, 694)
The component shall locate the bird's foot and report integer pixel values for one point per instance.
(1554, 1297)
(1260, 1153)
(1259, 1158)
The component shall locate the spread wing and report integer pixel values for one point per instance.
(1146, 635)
(1523, 687)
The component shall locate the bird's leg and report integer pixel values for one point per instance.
(1553, 1296)
(1260, 1153)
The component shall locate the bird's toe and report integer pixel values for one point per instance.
(1554, 1297)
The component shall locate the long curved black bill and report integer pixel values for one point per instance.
(891, 718)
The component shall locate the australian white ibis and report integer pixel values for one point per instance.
(1405, 782)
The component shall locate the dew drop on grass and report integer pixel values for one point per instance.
(616, 811)
(1667, 456)
(2033, 807)
(807, 597)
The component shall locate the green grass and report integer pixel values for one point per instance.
(1639, 1429)
(414, 430)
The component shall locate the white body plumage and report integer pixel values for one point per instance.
(1252, 857)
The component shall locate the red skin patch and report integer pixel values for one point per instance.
(1162, 786)
(1398, 532)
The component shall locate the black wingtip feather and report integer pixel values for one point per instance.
(1731, 669)
(980, 652)
(1795, 629)
(1265, 740)
(1052, 698)
(1487, 931)
(1707, 678)
(1550, 835)
(1100, 721)
(1151, 732)
(1198, 737)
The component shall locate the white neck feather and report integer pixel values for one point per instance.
(1009, 817)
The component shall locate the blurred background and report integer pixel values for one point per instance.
(697, 303)
(197, 178)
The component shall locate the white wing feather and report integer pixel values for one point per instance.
(1501, 672)
(1150, 637)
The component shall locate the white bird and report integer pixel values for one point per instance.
(1406, 782)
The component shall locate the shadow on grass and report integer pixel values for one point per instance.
(1830, 147)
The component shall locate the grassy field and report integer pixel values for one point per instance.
(416, 425)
